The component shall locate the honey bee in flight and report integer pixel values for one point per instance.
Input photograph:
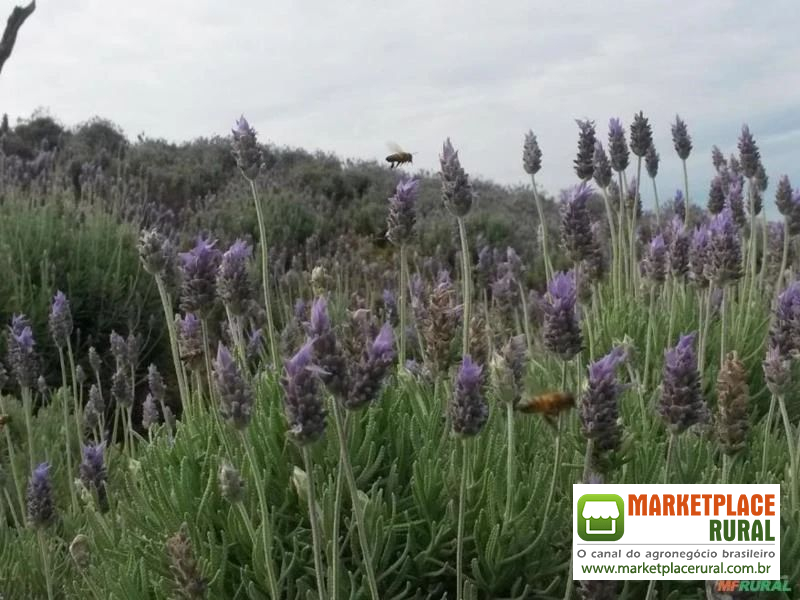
(549, 404)
(398, 156)
(4, 420)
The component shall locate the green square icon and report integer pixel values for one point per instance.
(601, 517)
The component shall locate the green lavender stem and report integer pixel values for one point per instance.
(548, 267)
(466, 276)
(67, 427)
(787, 425)
(27, 404)
(166, 303)
(262, 232)
(658, 209)
(403, 302)
(48, 576)
(767, 429)
(686, 193)
(510, 461)
(316, 534)
(462, 493)
(784, 258)
(613, 231)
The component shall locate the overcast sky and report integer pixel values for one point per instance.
(348, 76)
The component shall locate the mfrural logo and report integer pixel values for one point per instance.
(601, 517)
(761, 585)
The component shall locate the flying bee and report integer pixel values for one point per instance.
(549, 405)
(398, 156)
(4, 420)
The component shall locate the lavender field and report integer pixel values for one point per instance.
(334, 380)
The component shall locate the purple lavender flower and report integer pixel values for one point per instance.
(149, 412)
(735, 201)
(531, 154)
(584, 166)
(655, 263)
(303, 404)
(602, 168)
(651, 160)
(233, 282)
(576, 225)
(119, 348)
(725, 252)
(245, 149)
(793, 219)
(641, 135)
(777, 370)
(679, 205)
(93, 472)
(600, 406)
(783, 196)
(749, 156)
(784, 332)
(328, 354)
(235, 393)
(60, 320)
(199, 273)
(371, 370)
(718, 159)
(681, 404)
(231, 485)
(39, 498)
(121, 387)
(681, 138)
(617, 146)
(678, 248)
(22, 355)
(562, 330)
(468, 409)
(456, 189)
(190, 339)
(402, 212)
(94, 360)
(300, 310)
(485, 267)
(255, 344)
(716, 196)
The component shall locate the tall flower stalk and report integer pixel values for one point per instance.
(532, 163)
(683, 147)
(248, 158)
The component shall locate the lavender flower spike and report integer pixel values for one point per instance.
(199, 271)
(651, 160)
(39, 498)
(655, 263)
(576, 225)
(93, 472)
(402, 212)
(602, 168)
(235, 393)
(784, 332)
(641, 135)
(725, 250)
(303, 404)
(456, 189)
(562, 332)
(370, 372)
(681, 404)
(584, 163)
(245, 149)
(233, 283)
(749, 155)
(600, 407)
(681, 138)
(22, 356)
(157, 254)
(328, 354)
(468, 409)
(617, 146)
(60, 320)
(531, 154)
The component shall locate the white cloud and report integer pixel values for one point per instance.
(349, 76)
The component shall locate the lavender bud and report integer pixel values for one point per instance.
(562, 331)
(600, 406)
(403, 212)
(793, 219)
(760, 179)
(641, 135)
(183, 565)
(617, 146)
(80, 375)
(149, 413)
(531, 154)
(60, 320)
(456, 189)
(22, 356)
(593, 267)
(716, 196)
(718, 159)
(775, 237)
(235, 394)
(679, 205)
(602, 168)
(198, 270)
(749, 156)
(328, 354)
(255, 344)
(245, 149)
(732, 398)
(783, 196)
(121, 387)
(679, 249)
(371, 370)
(157, 255)
(41, 385)
(681, 138)
(96, 397)
(94, 360)
(305, 410)
(725, 252)
(655, 263)
(681, 404)
(190, 339)
(93, 472)
(468, 409)
(91, 416)
(119, 348)
(576, 226)
(777, 370)
(231, 485)
(584, 166)
(784, 332)
(39, 499)
(507, 370)
(233, 283)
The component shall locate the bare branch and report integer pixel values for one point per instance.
(15, 21)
